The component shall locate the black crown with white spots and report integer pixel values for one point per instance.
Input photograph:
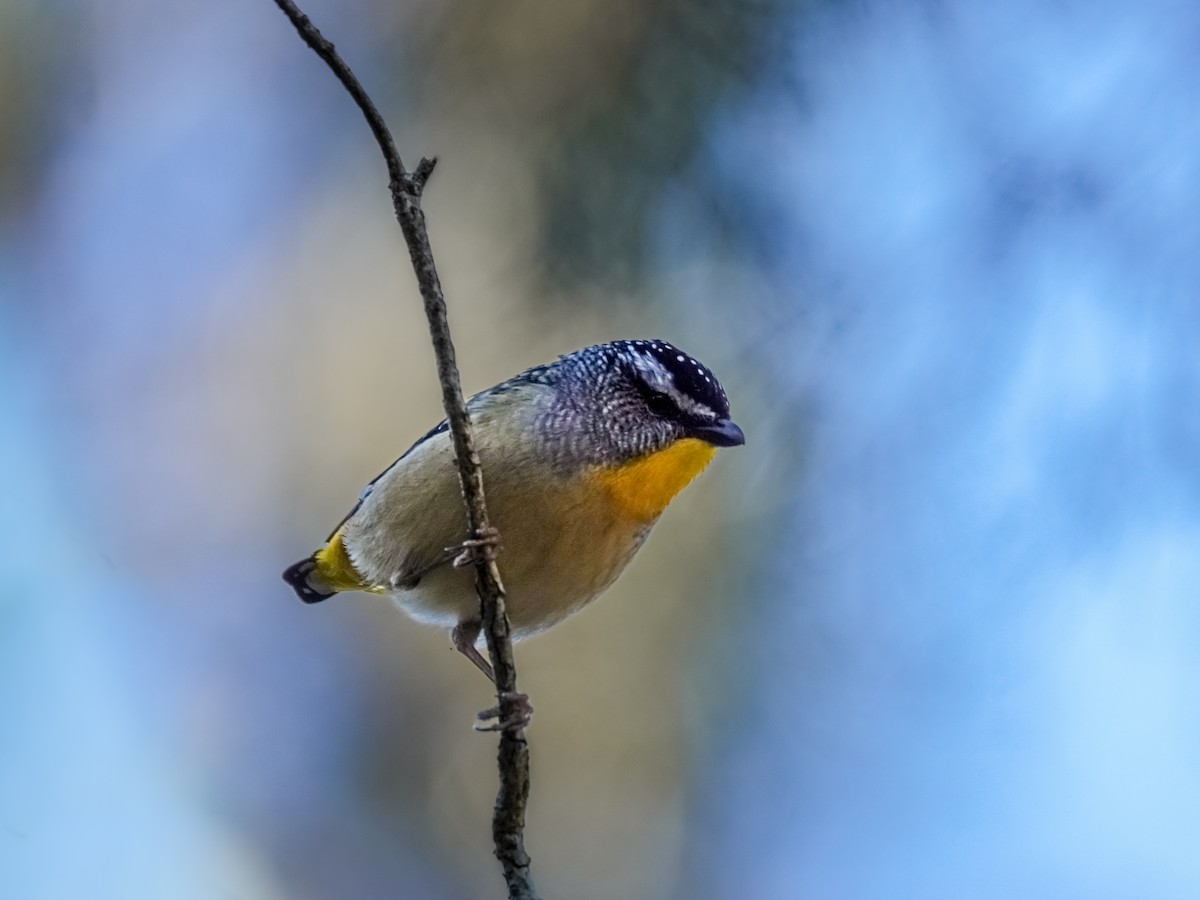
(690, 379)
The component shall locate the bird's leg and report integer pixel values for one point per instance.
(463, 554)
(463, 637)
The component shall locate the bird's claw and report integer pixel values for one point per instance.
(520, 713)
(464, 554)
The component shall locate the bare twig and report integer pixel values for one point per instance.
(508, 817)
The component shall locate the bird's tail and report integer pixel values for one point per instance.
(325, 573)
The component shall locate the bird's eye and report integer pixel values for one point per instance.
(661, 405)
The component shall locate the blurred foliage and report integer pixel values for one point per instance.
(38, 58)
(609, 102)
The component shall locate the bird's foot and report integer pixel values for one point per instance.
(515, 708)
(464, 554)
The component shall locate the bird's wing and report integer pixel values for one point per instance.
(411, 515)
(442, 427)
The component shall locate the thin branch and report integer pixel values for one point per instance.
(325, 49)
(508, 816)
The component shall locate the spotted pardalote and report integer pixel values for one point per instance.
(580, 458)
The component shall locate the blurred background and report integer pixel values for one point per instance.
(931, 633)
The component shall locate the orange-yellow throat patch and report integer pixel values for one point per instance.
(641, 489)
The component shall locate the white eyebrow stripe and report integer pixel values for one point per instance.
(689, 405)
(659, 378)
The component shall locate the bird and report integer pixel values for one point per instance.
(580, 458)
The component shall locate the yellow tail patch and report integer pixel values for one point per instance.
(641, 489)
(335, 568)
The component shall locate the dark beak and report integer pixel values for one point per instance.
(722, 433)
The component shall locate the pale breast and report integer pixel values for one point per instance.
(566, 548)
(561, 546)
